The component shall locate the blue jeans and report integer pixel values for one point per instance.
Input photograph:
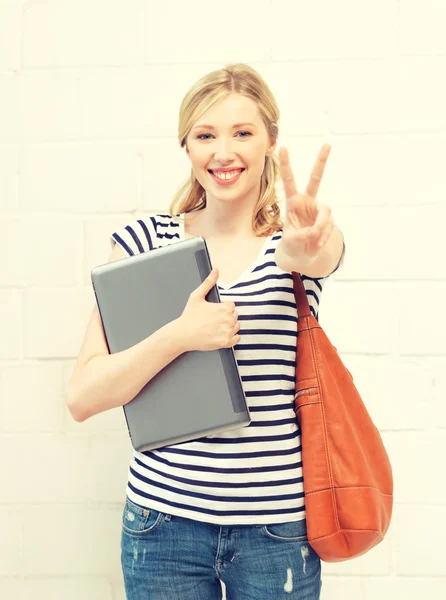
(165, 557)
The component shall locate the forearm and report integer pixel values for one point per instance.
(113, 380)
(321, 265)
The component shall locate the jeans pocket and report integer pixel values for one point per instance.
(137, 520)
(294, 531)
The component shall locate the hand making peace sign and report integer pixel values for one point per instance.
(308, 223)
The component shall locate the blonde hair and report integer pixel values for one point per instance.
(242, 79)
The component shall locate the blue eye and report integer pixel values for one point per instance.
(200, 137)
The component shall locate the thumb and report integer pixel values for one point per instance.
(207, 284)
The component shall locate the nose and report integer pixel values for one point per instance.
(224, 151)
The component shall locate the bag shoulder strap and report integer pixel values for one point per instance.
(303, 307)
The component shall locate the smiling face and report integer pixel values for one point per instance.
(230, 136)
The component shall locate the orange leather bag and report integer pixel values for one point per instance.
(348, 480)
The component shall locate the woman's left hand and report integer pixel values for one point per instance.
(308, 223)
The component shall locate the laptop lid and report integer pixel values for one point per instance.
(199, 393)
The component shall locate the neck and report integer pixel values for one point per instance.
(228, 219)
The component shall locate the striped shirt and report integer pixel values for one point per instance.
(251, 475)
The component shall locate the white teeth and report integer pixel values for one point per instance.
(227, 175)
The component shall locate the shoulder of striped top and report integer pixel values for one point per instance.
(340, 262)
(168, 228)
(139, 235)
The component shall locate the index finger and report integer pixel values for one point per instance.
(287, 174)
(318, 171)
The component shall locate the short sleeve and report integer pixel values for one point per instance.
(137, 237)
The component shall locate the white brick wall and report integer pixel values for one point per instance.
(89, 97)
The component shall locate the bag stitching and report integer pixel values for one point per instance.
(308, 404)
(324, 537)
(327, 449)
(350, 487)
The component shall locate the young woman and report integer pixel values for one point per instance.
(231, 506)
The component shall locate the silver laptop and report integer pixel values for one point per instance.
(198, 394)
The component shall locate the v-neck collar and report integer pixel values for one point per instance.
(222, 284)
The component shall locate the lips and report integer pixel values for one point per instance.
(226, 170)
(227, 181)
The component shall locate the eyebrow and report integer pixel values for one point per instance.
(234, 126)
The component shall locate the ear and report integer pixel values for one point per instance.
(271, 148)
